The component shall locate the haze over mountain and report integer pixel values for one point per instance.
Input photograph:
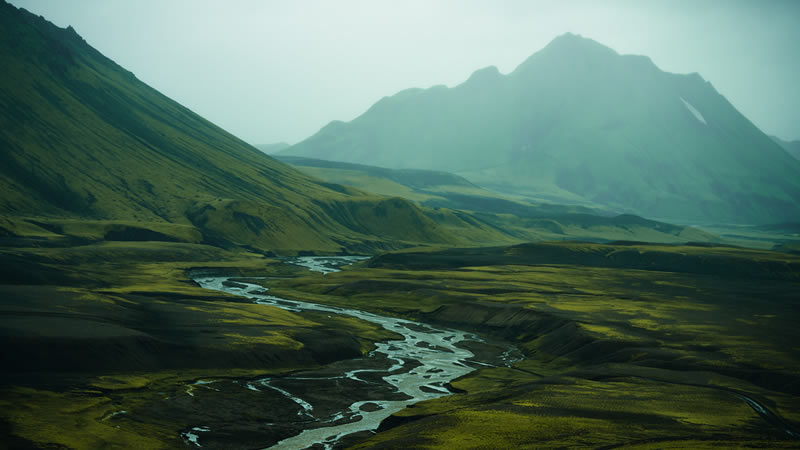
(577, 122)
(84, 139)
(272, 148)
(792, 147)
(92, 153)
(430, 188)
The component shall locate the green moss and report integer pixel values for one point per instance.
(79, 420)
(616, 355)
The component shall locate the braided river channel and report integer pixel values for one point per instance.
(351, 398)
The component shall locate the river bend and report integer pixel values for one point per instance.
(411, 370)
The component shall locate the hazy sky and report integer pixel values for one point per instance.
(271, 71)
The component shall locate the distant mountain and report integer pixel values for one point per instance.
(577, 122)
(83, 141)
(272, 148)
(792, 147)
(449, 197)
(428, 188)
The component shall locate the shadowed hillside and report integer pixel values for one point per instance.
(83, 139)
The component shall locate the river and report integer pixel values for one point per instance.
(400, 372)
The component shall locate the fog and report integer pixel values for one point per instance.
(271, 71)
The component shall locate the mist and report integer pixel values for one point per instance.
(272, 71)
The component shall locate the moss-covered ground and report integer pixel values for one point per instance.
(669, 353)
(102, 343)
(626, 344)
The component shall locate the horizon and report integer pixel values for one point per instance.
(229, 75)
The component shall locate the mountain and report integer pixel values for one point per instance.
(272, 148)
(792, 147)
(447, 198)
(431, 188)
(88, 151)
(576, 122)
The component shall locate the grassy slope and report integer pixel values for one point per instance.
(103, 212)
(103, 156)
(109, 191)
(453, 200)
(578, 122)
(82, 138)
(427, 187)
(92, 330)
(785, 236)
(616, 355)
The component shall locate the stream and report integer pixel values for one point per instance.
(398, 373)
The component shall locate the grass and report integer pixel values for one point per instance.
(485, 217)
(581, 413)
(626, 344)
(79, 420)
(775, 237)
(156, 333)
(92, 153)
(111, 192)
(615, 355)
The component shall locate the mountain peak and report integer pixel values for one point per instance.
(568, 47)
(569, 37)
(487, 75)
(575, 42)
(580, 123)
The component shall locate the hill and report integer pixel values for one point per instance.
(577, 122)
(89, 152)
(92, 154)
(450, 199)
(791, 147)
(427, 187)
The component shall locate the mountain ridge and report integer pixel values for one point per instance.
(791, 147)
(83, 139)
(596, 128)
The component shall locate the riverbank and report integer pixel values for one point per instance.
(102, 348)
(355, 396)
(615, 356)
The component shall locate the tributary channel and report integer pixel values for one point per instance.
(398, 373)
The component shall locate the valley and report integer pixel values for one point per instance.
(651, 342)
(586, 251)
(619, 351)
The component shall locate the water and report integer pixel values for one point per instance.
(422, 363)
(324, 264)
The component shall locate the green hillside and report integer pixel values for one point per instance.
(476, 213)
(91, 152)
(427, 187)
(627, 345)
(117, 205)
(578, 123)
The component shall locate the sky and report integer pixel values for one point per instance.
(279, 70)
